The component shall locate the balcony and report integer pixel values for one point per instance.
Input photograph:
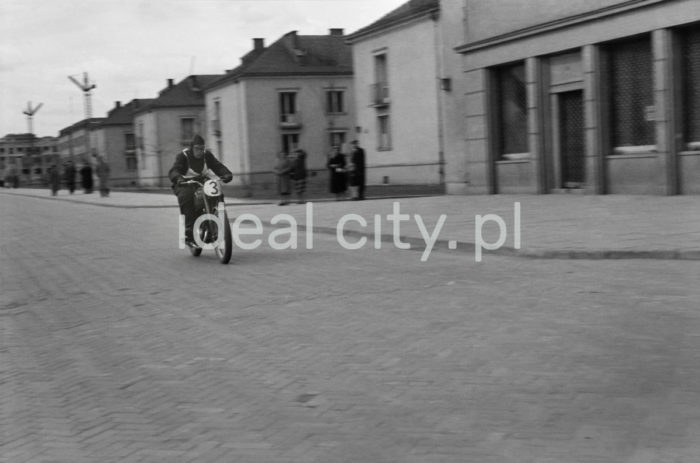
(379, 94)
(290, 121)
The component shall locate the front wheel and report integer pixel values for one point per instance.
(225, 247)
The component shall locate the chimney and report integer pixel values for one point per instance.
(336, 32)
(117, 104)
(258, 44)
(171, 83)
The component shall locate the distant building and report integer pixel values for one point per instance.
(599, 96)
(166, 124)
(27, 156)
(115, 141)
(296, 92)
(77, 142)
(408, 91)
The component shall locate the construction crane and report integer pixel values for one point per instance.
(85, 86)
(30, 115)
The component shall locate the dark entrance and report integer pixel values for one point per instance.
(572, 146)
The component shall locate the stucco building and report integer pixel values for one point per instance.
(296, 92)
(115, 141)
(166, 124)
(599, 96)
(409, 92)
(26, 157)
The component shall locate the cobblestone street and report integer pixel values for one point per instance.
(116, 346)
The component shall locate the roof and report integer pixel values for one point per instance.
(295, 55)
(83, 124)
(122, 115)
(187, 92)
(405, 13)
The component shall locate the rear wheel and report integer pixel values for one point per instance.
(225, 247)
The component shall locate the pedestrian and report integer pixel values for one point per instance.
(69, 174)
(299, 174)
(86, 177)
(283, 169)
(102, 171)
(357, 158)
(54, 179)
(338, 179)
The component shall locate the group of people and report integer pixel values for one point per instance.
(346, 173)
(343, 174)
(291, 175)
(86, 177)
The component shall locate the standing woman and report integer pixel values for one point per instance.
(337, 173)
(86, 177)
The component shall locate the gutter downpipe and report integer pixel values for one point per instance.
(439, 68)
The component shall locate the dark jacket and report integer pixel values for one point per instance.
(185, 160)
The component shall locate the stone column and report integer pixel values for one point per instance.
(593, 112)
(662, 41)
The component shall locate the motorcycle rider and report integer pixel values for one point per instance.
(194, 163)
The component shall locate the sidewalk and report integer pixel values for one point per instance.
(551, 226)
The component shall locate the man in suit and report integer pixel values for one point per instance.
(357, 158)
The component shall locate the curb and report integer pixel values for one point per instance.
(122, 206)
(463, 247)
(443, 246)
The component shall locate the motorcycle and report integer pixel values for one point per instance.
(212, 229)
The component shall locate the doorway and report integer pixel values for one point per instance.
(570, 139)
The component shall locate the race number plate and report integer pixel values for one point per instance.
(212, 188)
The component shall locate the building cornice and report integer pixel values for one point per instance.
(432, 14)
(556, 25)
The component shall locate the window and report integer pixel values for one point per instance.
(336, 138)
(384, 132)
(631, 93)
(130, 141)
(140, 142)
(130, 152)
(290, 141)
(380, 88)
(131, 163)
(216, 122)
(288, 106)
(690, 87)
(335, 101)
(511, 110)
(220, 150)
(186, 130)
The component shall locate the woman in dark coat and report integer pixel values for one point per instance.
(86, 177)
(70, 176)
(337, 173)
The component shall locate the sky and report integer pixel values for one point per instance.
(129, 48)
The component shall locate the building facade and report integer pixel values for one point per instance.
(295, 93)
(409, 92)
(166, 124)
(77, 143)
(115, 142)
(599, 97)
(25, 158)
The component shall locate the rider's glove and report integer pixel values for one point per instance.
(227, 178)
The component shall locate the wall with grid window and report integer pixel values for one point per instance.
(606, 103)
